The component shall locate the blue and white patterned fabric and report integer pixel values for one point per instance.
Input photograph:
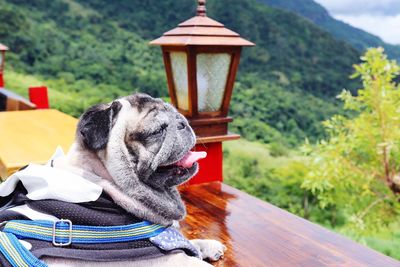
(171, 239)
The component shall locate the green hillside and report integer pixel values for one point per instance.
(342, 31)
(97, 50)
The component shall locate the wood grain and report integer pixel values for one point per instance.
(259, 234)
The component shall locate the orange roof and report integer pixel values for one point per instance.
(201, 30)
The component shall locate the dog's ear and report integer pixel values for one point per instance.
(95, 125)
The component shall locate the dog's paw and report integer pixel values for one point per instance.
(212, 250)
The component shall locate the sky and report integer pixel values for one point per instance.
(379, 17)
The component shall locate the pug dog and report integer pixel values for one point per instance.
(137, 148)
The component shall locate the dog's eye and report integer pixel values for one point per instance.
(161, 130)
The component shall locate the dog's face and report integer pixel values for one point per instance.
(140, 138)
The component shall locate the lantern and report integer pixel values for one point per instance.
(201, 59)
(3, 50)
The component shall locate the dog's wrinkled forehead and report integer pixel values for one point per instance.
(149, 109)
(144, 102)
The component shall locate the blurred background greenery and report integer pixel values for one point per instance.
(91, 51)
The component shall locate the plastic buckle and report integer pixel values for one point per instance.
(55, 243)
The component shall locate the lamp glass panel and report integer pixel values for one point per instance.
(180, 76)
(212, 76)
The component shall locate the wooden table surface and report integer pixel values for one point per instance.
(32, 137)
(260, 234)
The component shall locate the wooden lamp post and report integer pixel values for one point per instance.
(201, 58)
(3, 50)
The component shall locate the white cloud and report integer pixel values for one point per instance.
(379, 17)
(382, 7)
(386, 27)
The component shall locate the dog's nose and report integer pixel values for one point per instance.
(181, 125)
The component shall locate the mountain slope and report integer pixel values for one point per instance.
(287, 45)
(341, 30)
(97, 50)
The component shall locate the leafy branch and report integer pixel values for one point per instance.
(360, 161)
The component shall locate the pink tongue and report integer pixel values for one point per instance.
(190, 158)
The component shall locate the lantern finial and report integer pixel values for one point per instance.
(201, 8)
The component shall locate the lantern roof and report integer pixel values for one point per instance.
(201, 30)
(3, 47)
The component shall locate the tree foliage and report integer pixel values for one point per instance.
(357, 169)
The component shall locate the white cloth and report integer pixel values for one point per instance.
(45, 182)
